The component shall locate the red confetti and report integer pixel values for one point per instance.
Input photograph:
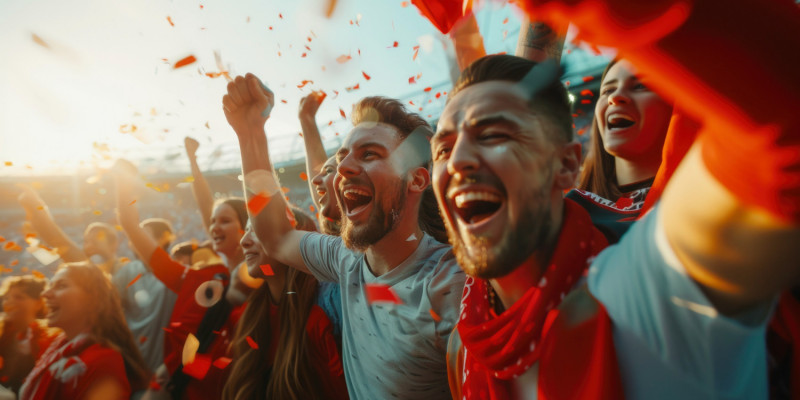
(307, 48)
(395, 44)
(266, 269)
(222, 362)
(257, 203)
(367, 77)
(566, 83)
(304, 83)
(330, 122)
(284, 101)
(198, 368)
(153, 384)
(586, 101)
(404, 4)
(280, 15)
(416, 52)
(343, 59)
(142, 339)
(290, 217)
(134, 280)
(505, 21)
(184, 62)
(587, 78)
(252, 342)
(434, 315)
(14, 263)
(342, 112)
(270, 28)
(427, 89)
(412, 80)
(581, 131)
(586, 92)
(378, 292)
(411, 102)
(355, 87)
(304, 176)
(438, 94)
(303, 55)
(169, 19)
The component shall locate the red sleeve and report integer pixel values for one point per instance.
(101, 364)
(725, 64)
(167, 270)
(320, 333)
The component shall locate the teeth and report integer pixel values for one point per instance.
(616, 117)
(352, 193)
(463, 198)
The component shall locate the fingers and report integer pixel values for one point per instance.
(228, 104)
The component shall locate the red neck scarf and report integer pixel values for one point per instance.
(41, 376)
(499, 349)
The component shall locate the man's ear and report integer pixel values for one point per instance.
(420, 179)
(569, 166)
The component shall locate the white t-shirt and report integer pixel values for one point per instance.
(392, 351)
(671, 342)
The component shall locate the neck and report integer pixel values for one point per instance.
(513, 286)
(72, 332)
(393, 249)
(234, 259)
(277, 283)
(632, 171)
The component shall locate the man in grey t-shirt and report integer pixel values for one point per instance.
(392, 350)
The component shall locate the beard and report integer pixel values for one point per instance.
(330, 227)
(527, 235)
(381, 221)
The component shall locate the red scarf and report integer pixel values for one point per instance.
(500, 348)
(40, 376)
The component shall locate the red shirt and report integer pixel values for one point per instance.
(186, 318)
(68, 370)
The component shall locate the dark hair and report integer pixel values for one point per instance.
(417, 133)
(28, 284)
(239, 205)
(599, 174)
(552, 101)
(159, 226)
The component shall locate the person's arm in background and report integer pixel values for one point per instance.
(247, 106)
(731, 211)
(200, 188)
(46, 227)
(315, 151)
(467, 40)
(537, 41)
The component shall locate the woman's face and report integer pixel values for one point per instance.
(632, 119)
(19, 307)
(68, 304)
(254, 254)
(225, 230)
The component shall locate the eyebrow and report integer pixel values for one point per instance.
(489, 120)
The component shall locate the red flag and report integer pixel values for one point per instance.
(443, 13)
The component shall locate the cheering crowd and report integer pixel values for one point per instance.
(480, 259)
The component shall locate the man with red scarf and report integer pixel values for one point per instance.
(679, 308)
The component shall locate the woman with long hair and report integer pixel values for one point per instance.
(95, 356)
(23, 335)
(627, 138)
(282, 315)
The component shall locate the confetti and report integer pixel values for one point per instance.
(169, 19)
(586, 92)
(342, 113)
(416, 52)
(505, 21)
(395, 44)
(11, 246)
(125, 260)
(378, 292)
(304, 176)
(266, 269)
(343, 59)
(8, 163)
(252, 343)
(184, 62)
(39, 41)
(434, 315)
(257, 203)
(2, 239)
(134, 280)
(199, 367)
(404, 4)
(586, 101)
(427, 89)
(290, 217)
(367, 77)
(142, 339)
(280, 15)
(351, 88)
(587, 78)
(222, 362)
(285, 190)
(38, 274)
(132, 202)
(304, 83)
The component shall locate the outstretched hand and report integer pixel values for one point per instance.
(247, 105)
(191, 146)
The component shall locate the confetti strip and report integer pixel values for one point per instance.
(252, 343)
(266, 269)
(257, 203)
(222, 362)
(304, 176)
(434, 315)
(134, 280)
(132, 203)
(343, 59)
(378, 292)
(184, 62)
(367, 77)
(198, 368)
(342, 113)
(38, 274)
(427, 89)
(169, 19)
(587, 78)
(304, 83)
(586, 92)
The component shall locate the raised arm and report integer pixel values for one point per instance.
(200, 189)
(537, 41)
(247, 106)
(315, 151)
(468, 42)
(46, 227)
(128, 213)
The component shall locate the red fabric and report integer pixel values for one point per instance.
(443, 14)
(747, 106)
(786, 323)
(320, 335)
(500, 348)
(186, 318)
(579, 360)
(68, 369)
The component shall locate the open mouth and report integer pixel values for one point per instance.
(217, 239)
(52, 310)
(474, 207)
(355, 199)
(619, 121)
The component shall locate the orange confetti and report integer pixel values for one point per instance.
(395, 44)
(40, 41)
(257, 203)
(184, 62)
(378, 292)
(10, 246)
(9, 163)
(304, 176)
(132, 203)
(28, 236)
(416, 52)
(14, 263)
(284, 101)
(343, 59)
(38, 274)
(266, 269)
(351, 88)
(97, 212)
(587, 78)
(404, 4)
(304, 83)
(222, 362)
(142, 339)
(434, 315)
(252, 343)
(169, 19)
(427, 89)
(285, 189)
(134, 280)
(124, 260)
(2, 239)
(367, 77)
(303, 55)
(342, 113)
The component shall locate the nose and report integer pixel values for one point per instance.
(618, 96)
(317, 179)
(348, 167)
(48, 293)
(463, 157)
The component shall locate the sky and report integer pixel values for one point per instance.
(77, 75)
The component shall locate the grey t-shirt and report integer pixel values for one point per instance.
(393, 351)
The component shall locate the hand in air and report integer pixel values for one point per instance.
(247, 105)
(310, 104)
(191, 146)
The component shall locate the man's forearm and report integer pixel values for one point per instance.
(538, 41)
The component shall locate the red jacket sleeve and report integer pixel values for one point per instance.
(167, 270)
(320, 333)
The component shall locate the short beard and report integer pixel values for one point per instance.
(379, 224)
(528, 235)
(330, 227)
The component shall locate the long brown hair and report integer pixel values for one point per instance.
(292, 373)
(599, 174)
(108, 326)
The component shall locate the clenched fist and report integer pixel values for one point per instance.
(247, 105)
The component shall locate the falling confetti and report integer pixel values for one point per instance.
(587, 78)
(343, 59)
(416, 52)
(427, 89)
(184, 62)
(434, 315)
(342, 113)
(304, 176)
(38, 274)
(222, 362)
(169, 19)
(395, 44)
(199, 367)
(266, 269)
(355, 87)
(132, 202)
(412, 80)
(8, 163)
(124, 260)
(39, 41)
(257, 203)
(252, 343)
(134, 280)
(586, 92)
(378, 292)
(367, 77)
(304, 83)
